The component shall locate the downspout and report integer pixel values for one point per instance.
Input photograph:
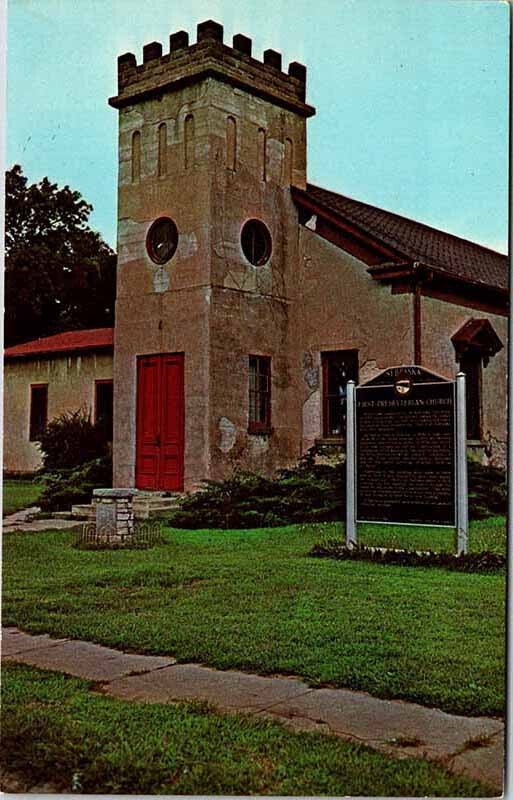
(417, 315)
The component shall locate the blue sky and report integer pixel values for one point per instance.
(411, 96)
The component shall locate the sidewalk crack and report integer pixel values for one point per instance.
(136, 672)
(282, 701)
(480, 742)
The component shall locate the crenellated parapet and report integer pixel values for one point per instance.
(210, 57)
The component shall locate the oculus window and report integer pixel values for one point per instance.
(162, 240)
(256, 242)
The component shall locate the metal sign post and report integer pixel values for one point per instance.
(461, 465)
(351, 536)
(406, 452)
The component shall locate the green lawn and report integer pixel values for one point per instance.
(18, 494)
(54, 729)
(254, 600)
(487, 534)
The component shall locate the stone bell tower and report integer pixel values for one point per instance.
(205, 361)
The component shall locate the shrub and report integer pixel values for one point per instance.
(485, 561)
(487, 491)
(309, 492)
(71, 439)
(67, 487)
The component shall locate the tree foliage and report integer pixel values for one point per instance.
(59, 274)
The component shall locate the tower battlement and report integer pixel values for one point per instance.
(210, 57)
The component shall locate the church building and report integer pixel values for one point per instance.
(247, 297)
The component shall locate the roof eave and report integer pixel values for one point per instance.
(303, 198)
(390, 272)
(398, 268)
(56, 353)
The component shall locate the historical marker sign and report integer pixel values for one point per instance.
(405, 448)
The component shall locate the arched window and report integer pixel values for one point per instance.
(189, 141)
(262, 154)
(162, 150)
(288, 156)
(136, 156)
(231, 143)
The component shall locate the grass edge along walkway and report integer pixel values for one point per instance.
(390, 727)
(254, 600)
(19, 494)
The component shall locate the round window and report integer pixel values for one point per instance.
(162, 240)
(256, 242)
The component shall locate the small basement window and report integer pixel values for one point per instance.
(38, 410)
(103, 405)
(338, 367)
(256, 242)
(259, 394)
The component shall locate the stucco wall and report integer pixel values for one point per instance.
(208, 301)
(163, 309)
(440, 320)
(251, 309)
(71, 385)
(342, 308)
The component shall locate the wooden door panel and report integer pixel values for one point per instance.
(171, 397)
(149, 393)
(148, 464)
(170, 467)
(172, 414)
(160, 423)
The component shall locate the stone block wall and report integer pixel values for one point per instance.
(234, 145)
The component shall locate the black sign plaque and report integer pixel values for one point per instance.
(405, 448)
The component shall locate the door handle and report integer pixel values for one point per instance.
(157, 440)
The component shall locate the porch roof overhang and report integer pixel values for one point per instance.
(477, 335)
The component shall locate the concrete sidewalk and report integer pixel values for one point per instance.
(473, 746)
(23, 522)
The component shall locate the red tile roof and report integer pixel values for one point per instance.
(418, 242)
(71, 341)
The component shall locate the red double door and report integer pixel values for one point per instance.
(160, 422)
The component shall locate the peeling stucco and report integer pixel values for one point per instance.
(228, 434)
(160, 280)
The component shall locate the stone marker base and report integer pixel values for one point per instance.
(114, 527)
(114, 516)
